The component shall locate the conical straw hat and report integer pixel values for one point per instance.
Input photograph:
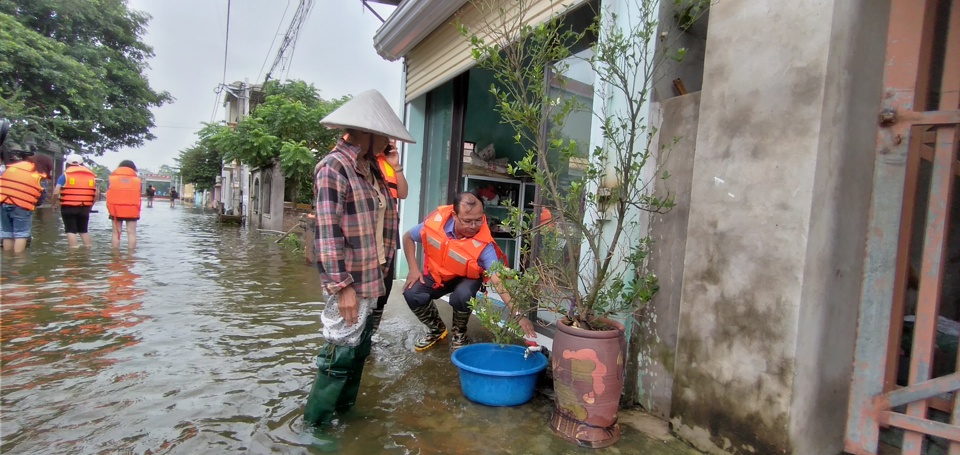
(370, 112)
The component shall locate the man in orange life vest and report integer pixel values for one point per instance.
(458, 249)
(76, 192)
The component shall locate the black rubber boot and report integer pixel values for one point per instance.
(375, 317)
(377, 311)
(459, 337)
(436, 330)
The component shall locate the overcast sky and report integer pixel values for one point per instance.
(334, 52)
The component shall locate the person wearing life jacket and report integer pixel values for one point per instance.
(123, 202)
(76, 192)
(389, 163)
(458, 250)
(21, 191)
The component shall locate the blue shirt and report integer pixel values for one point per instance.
(62, 180)
(487, 257)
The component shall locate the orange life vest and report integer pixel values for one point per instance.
(79, 188)
(20, 185)
(123, 194)
(390, 175)
(448, 258)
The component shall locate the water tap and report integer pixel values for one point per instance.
(531, 347)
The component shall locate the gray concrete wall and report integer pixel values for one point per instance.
(842, 187)
(274, 220)
(657, 331)
(769, 289)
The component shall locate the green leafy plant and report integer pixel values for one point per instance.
(283, 129)
(591, 260)
(688, 12)
(75, 72)
(493, 315)
(294, 242)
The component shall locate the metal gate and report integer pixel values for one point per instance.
(920, 120)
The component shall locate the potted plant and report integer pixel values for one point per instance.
(588, 258)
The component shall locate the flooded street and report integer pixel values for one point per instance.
(202, 341)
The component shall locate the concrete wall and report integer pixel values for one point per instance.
(657, 332)
(842, 187)
(259, 217)
(779, 197)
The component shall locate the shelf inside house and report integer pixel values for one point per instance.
(499, 193)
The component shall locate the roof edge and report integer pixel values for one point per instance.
(410, 23)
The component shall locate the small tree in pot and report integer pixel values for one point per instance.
(588, 259)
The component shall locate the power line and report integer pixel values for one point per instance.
(275, 35)
(226, 45)
(223, 79)
(290, 39)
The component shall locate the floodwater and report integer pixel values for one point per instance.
(201, 341)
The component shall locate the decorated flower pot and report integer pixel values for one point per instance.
(588, 369)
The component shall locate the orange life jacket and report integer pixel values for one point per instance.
(123, 194)
(448, 258)
(20, 185)
(79, 188)
(390, 175)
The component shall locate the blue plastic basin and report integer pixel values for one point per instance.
(497, 375)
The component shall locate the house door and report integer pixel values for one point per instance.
(905, 370)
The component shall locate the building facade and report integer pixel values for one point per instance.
(785, 266)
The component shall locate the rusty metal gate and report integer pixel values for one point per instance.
(918, 146)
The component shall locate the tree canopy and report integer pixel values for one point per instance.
(201, 163)
(285, 129)
(73, 71)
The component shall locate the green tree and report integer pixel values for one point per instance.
(103, 176)
(166, 169)
(200, 165)
(73, 71)
(285, 129)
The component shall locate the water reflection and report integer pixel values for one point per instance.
(201, 341)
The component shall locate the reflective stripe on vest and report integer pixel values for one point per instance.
(79, 187)
(448, 258)
(20, 185)
(389, 175)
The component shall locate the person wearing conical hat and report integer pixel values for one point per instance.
(354, 241)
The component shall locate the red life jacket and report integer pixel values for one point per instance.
(123, 194)
(20, 185)
(79, 187)
(389, 175)
(448, 258)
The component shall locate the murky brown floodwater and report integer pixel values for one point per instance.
(202, 340)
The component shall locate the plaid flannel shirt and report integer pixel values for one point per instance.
(347, 207)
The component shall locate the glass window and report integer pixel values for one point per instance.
(577, 82)
(439, 127)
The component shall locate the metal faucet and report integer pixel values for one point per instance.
(531, 348)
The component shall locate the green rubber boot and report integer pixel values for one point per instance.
(334, 367)
(351, 387)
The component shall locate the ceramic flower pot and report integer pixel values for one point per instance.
(588, 370)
